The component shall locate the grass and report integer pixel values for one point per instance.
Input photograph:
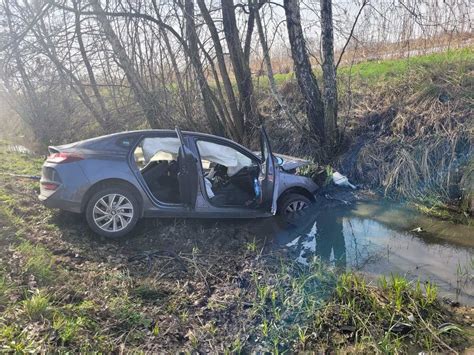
(4, 290)
(19, 163)
(324, 310)
(38, 262)
(385, 69)
(394, 68)
(37, 306)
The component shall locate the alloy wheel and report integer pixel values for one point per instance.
(113, 212)
(296, 206)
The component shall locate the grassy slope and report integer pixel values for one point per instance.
(209, 289)
(379, 70)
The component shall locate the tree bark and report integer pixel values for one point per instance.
(240, 66)
(237, 117)
(106, 120)
(193, 48)
(304, 74)
(329, 74)
(149, 104)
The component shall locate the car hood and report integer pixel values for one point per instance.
(287, 162)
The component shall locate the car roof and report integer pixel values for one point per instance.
(91, 142)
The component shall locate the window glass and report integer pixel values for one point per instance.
(223, 155)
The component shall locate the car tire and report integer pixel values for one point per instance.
(291, 205)
(113, 212)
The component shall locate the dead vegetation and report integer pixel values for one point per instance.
(417, 133)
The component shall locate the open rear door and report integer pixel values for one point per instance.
(267, 176)
(188, 173)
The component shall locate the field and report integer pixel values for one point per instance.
(187, 285)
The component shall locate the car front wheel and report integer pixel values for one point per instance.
(112, 212)
(292, 205)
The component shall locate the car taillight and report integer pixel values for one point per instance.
(59, 158)
(49, 185)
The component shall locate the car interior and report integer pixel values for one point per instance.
(157, 159)
(229, 175)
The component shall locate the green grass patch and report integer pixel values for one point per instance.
(390, 68)
(14, 340)
(373, 71)
(320, 309)
(17, 163)
(38, 262)
(4, 290)
(126, 312)
(37, 306)
(69, 328)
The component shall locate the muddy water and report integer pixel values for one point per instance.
(384, 239)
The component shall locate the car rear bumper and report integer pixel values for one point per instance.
(56, 201)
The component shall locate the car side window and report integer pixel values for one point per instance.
(156, 149)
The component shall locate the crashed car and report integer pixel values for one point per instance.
(117, 179)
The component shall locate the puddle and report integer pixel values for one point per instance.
(376, 239)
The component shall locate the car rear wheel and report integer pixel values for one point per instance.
(112, 212)
(293, 205)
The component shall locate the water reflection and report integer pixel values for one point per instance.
(349, 238)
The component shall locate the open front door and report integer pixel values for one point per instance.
(188, 173)
(267, 176)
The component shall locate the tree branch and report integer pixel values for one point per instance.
(351, 34)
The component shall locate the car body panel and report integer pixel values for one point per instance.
(290, 163)
(111, 157)
(73, 184)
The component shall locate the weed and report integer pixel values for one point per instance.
(37, 306)
(251, 246)
(127, 314)
(14, 340)
(155, 330)
(68, 328)
(148, 292)
(4, 290)
(237, 345)
(39, 262)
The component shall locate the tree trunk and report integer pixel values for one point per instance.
(106, 120)
(180, 81)
(304, 74)
(240, 66)
(329, 74)
(193, 49)
(237, 117)
(149, 104)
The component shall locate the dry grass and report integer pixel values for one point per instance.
(418, 132)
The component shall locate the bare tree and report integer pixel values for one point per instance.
(193, 49)
(241, 67)
(329, 75)
(304, 74)
(151, 107)
(237, 117)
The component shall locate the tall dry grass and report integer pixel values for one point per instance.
(417, 132)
